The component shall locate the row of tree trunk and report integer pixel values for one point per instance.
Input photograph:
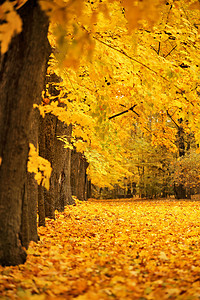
(68, 175)
(22, 79)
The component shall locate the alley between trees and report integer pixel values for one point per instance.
(113, 249)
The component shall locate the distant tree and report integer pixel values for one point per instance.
(187, 172)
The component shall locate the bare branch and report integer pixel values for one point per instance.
(158, 48)
(125, 111)
(172, 119)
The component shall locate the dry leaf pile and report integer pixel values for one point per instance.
(112, 250)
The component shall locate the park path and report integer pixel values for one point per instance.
(112, 250)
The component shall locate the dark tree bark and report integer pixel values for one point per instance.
(21, 81)
(61, 160)
(180, 190)
(181, 140)
(62, 168)
(49, 128)
(46, 150)
(89, 188)
(24, 230)
(74, 171)
(79, 176)
(59, 194)
(41, 189)
(41, 207)
(30, 196)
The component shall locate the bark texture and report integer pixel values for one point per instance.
(52, 149)
(62, 169)
(79, 180)
(21, 81)
(30, 196)
(180, 190)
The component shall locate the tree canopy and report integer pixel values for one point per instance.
(127, 67)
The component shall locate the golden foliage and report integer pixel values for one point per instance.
(138, 11)
(112, 249)
(154, 69)
(11, 24)
(107, 67)
(39, 166)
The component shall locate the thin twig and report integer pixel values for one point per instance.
(172, 119)
(137, 61)
(170, 51)
(158, 48)
(125, 111)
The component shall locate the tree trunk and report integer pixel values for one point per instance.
(21, 81)
(30, 199)
(62, 168)
(74, 171)
(79, 176)
(59, 194)
(41, 207)
(89, 188)
(41, 189)
(24, 230)
(180, 190)
(50, 123)
(46, 150)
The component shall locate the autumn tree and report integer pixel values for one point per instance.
(23, 68)
(52, 149)
(186, 172)
(28, 231)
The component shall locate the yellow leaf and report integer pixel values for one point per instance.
(10, 26)
(40, 166)
(163, 256)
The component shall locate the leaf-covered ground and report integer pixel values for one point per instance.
(112, 250)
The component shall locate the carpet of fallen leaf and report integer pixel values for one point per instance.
(112, 250)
